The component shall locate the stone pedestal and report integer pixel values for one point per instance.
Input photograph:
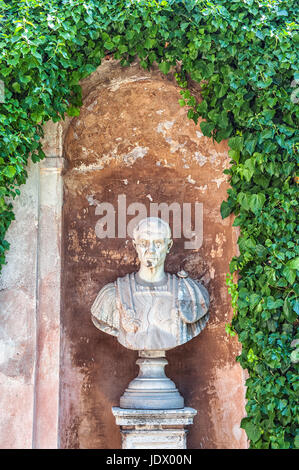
(152, 389)
(154, 429)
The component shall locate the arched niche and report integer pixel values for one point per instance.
(132, 138)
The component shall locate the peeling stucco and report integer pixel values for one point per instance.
(117, 82)
(200, 159)
(103, 161)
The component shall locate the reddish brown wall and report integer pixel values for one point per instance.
(139, 116)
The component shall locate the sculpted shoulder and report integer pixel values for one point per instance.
(193, 298)
(104, 312)
(194, 284)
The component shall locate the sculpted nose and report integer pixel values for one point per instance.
(151, 248)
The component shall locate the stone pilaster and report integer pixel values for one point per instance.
(45, 433)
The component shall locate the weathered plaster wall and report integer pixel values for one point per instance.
(18, 298)
(133, 138)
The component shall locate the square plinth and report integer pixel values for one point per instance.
(154, 429)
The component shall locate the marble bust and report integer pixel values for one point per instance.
(151, 310)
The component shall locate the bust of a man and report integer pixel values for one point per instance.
(151, 309)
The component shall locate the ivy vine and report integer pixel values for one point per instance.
(244, 54)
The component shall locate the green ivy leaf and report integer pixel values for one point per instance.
(289, 274)
(202, 108)
(225, 209)
(289, 313)
(149, 43)
(234, 155)
(73, 111)
(244, 200)
(253, 432)
(164, 67)
(109, 45)
(236, 143)
(9, 171)
(274, 304)
(16, 87)
(256, 202)
(207, 128)
(293, 263)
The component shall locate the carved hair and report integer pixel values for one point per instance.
(150, 223)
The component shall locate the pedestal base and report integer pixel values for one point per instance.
(154, 429)
(152, 389)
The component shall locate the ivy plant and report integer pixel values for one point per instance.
(244, 54)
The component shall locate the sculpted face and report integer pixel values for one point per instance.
(152, 242)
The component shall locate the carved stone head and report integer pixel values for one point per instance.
(152, 241)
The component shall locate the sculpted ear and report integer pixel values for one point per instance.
(170, 243)
(134, 243)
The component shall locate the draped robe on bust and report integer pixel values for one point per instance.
(152, 315)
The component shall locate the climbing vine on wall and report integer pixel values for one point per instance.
(244, 53)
